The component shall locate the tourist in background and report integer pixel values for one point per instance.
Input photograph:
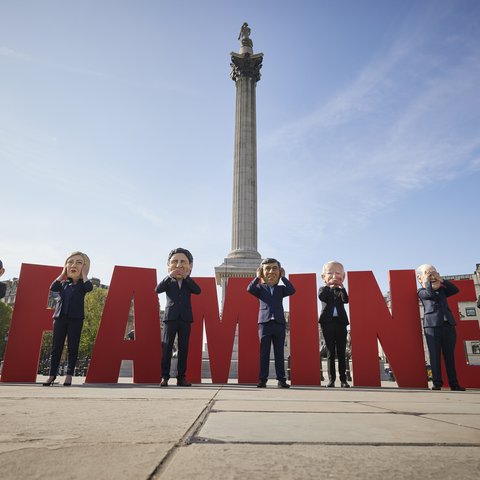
(3, 287)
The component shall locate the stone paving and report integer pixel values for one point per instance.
(127, 431)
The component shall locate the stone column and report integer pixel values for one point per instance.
(246, 74)
(244, 259)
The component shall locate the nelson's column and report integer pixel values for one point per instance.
(244, 259)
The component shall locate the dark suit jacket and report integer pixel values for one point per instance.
(3, 289)
(76, 295)
(435, 304)
(330, 298)
(271, 306)
(179, 306)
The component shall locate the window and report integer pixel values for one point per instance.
(471, 312)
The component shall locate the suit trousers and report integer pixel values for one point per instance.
(335, 335)
(442, 340)
(171, 329)
(70, 328)
(272, 332)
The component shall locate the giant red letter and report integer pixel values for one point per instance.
(468, 375)
(399, 332)
(240, 307)
(30, 318)
(111, 347)
(304, 341)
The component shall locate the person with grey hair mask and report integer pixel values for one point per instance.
(438, 324)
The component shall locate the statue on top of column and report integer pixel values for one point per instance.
(244, 36)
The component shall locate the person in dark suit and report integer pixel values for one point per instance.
(438, 324)
(178, 317)
(334, 320)
(3, 287)
(71, 285)
(271, 317)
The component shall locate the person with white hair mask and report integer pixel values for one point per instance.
(438, 324)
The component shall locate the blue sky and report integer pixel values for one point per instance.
(117, 123)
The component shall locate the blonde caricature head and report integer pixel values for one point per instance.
(86, 260)
(77, 265)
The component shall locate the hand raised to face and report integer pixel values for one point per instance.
(333, 275)
(85, 270)
(431, 275)
(271, 273)
(74, 267)
(179, 267)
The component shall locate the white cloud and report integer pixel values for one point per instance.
(408, 119)
(10, 53)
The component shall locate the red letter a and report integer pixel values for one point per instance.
(399, 333)
(30, 318)
(110, 347)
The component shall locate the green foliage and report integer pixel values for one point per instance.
(5, 319)
(94, 303)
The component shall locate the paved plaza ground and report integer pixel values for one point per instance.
(126, 431)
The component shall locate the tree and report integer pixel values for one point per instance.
(94, 303)
(5, 319)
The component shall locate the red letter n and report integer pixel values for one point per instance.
(399, 333)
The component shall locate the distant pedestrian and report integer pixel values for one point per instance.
(3, 286)
(438, 324)
(271, 317)
(334, 320)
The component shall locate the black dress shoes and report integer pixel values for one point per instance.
(283, 384)
(331, 384)
(164, 382)
(436, 387)
(458, 388)
(344, 385)
(262, 384)
(181, 382)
